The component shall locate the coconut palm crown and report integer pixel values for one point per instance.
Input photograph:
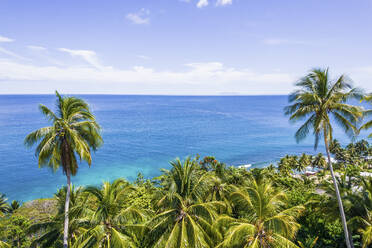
(320, 99)
(184, 218)
(264, 219)
(112, 223)
(74, 132)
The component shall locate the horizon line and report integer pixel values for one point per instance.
(110, 94)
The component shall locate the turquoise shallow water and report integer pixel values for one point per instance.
(143, 133)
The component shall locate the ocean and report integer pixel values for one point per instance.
(143, 133)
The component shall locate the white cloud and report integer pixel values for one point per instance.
(202, 3)
(273, 42)
(224, 2)
(141, 17)
(88, 56)
(12, 54)
(36, 48)
(194, 78)
(20, 76)
(206, 67)
(144, 57)
(5, 39)
(199, 78)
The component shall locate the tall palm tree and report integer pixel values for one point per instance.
(185, 218)
(321, 100)
(112, 223)
(263, 219)
(73, 133)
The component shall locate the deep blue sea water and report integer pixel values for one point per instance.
(143, 133)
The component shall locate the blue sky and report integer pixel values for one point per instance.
(180, 46)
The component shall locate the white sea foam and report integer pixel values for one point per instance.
(246, 166)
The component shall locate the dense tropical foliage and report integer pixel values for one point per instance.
(205, 203)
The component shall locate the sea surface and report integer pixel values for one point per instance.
(143, 133)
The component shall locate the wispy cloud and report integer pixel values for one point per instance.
(206, 77)
(206, 67)
(5, 39)
(87, 55)
(7, 52)
(36, 48)
(275, 41)
(224, 2)
(12, 54)
(205, 3)
(42, 54)
(202, 3)
(140, 17)
(211, 74)
(144, 57)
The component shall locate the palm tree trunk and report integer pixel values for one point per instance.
(340, 206)
(67, 204)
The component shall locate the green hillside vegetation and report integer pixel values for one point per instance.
(204, 203)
